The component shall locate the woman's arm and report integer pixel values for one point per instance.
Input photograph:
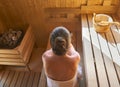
(72, 47)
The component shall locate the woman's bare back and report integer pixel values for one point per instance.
(61, 68)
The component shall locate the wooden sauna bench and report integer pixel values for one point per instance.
(101, 52)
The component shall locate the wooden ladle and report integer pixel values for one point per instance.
(104, 23)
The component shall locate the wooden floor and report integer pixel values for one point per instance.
(10, 78)
(21, 77)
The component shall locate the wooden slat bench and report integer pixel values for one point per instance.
(101, 53)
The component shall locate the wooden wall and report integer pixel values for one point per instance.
(118, 12)
(18, 12)
(2, 27)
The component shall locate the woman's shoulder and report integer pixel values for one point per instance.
(74, 55)
(47, 54)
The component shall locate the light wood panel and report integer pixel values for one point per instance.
(98, 9)
(115, 2)
(97, 54)
(88, 54)
(107, 2)
(95, 2)
(83, 10)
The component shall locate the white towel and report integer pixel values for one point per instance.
(70, 83)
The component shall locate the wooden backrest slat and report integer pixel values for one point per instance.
(88, 54)
(99, 61)
(117, 40)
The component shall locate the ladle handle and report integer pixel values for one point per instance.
(116, 23)
(107, 23)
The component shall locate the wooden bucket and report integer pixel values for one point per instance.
(101, 22)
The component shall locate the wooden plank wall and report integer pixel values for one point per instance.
(18, 12)
(2, 26)
(118, 13)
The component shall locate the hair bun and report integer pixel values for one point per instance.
(59, 39)
(60, 45)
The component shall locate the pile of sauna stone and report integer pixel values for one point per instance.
(10, 39)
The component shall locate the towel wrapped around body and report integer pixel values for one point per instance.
(70, 83)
